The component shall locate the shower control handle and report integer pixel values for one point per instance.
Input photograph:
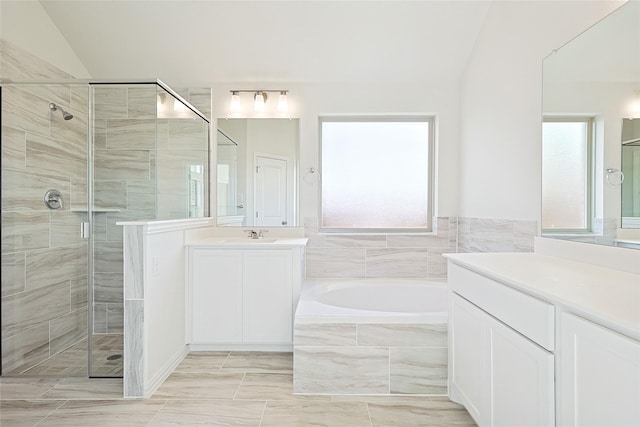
(53, 199)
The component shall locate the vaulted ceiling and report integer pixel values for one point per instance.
(207, 42)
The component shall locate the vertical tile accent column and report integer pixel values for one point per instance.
(133, 377)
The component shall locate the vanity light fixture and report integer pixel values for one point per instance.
(260, 98)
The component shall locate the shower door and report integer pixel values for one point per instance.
(44, 253)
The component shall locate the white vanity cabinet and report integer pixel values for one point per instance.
(243, 297)
(600, 376)
(496, 369)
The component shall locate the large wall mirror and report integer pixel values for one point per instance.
(257, 168)
(591, 134)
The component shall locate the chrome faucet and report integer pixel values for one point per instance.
(252, 234)
(261, 232)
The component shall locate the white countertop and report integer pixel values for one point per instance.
(244, 242)
(603, 295)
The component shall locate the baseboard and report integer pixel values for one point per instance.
(288, 348)
(156, 381)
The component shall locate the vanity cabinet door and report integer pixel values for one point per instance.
(468, 367)
(216, 296)
(267, 297)
(600, 376)
(521, 379)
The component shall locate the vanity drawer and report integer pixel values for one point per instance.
(530, 316)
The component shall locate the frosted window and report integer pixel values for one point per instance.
(375, 174)
(565, 183)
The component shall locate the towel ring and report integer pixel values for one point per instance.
(615, 173)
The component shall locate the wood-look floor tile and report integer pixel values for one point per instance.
(315, 413)
(14, 413)
(204, 361)
(25, 388)
(93, 413)
(271, 387)
(199, 386)
(209, 412)
(86, 388)
(259, 362)
(431, 413)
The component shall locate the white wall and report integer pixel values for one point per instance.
(26, 24)
(500, 148)
(308, 101)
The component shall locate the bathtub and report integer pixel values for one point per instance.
(371, 336)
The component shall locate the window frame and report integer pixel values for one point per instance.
(590, 184)
(431, 162)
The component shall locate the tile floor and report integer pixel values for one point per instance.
(215, 388)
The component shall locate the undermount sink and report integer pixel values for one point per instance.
(246, 240)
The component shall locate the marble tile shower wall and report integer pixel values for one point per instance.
(140, 173)
(407, 256)
(44, 281)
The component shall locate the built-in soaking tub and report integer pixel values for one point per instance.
(371, 336)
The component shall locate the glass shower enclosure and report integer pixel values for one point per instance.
(77, 159)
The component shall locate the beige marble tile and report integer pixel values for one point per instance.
(31, 308)
(355, 241)
(141, 195)
(65, 228)
(23, 190)
(199, 386)
(21, 109)
(24, 231)
(79, 292)
(14, 413)
(69, 261)
(110, 102)
(324, 334)
(403, 335)
(133, 348)
(99, 133)
(418, 370)
(91, 413)
(335, 263)
(115, 318)
(210, 412)
(400, 263)
(13, 273)
(191, 135)
(108, 287)
(25, 349)
(436, 263)
(14, 146)
(131, 134)
(18, 64)
(110, 194)
(523, 235)
(433, 414)
(72, 362)
(85, 388)
(108, 257)
(131, 164)
(203, 361)
(341, 370)
(12, 388)
(55, 156)
(141, 102)
(201, 99)
(491, 235)
(99, 318)
(259, 362)
(314, 413)
(68, 330)
(269, 386)
(418, 241)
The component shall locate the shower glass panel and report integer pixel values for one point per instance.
(112, 153)
(44, 256)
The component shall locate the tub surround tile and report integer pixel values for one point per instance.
(436, 263)
(396, 263)
(418, 370)
(524, 233)
(341, 370)
(402, 335)
(335, 263)
(325, 334)
(355, 241)
(418, 241)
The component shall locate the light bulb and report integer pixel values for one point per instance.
(258, 101)
(283, 105)
(235, 101)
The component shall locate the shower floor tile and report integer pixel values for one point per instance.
(215, 388)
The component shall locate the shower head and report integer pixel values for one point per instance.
(65, 114)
